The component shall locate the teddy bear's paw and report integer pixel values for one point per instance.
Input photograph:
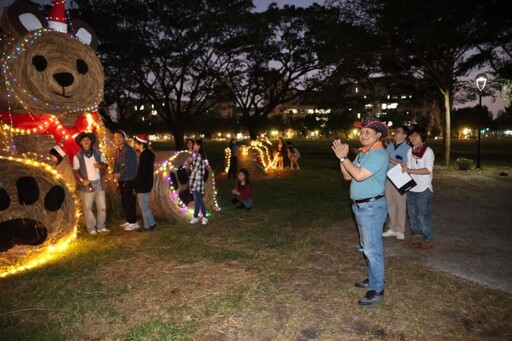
(24, 230)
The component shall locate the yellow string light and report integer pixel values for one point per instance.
(53, 250)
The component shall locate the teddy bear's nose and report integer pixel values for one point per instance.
(64, 78)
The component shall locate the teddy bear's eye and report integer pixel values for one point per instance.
(39, 62)
(82, 67)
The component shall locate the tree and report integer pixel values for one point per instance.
(275, 60)
(431, 40)
(169, 50)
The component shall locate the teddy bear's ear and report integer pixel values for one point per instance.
(84, 32)
(25, 17)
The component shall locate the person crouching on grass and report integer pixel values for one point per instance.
(242, 193)
(368, 179)
(197, 176)
(144, 180)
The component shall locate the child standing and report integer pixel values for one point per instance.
(197, 176)
(242, 193)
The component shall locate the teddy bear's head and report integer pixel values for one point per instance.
(45, 70)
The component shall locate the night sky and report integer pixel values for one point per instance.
(261, 5)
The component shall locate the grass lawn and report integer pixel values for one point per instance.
(282, 271)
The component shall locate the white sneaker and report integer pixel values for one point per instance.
(131, 227)
(204, 221)
(389, 233)
(103, 230)
(93, 232)
(194, 220)
(400, 236)
(123, 225)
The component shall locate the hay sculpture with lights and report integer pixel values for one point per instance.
(38, 216)
(254, 154)
(51, 84)
(170, 198)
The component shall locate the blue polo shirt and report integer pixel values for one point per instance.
(398, 153)
(376, 162)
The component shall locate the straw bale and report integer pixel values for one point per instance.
(164, 202)
(59, 224)
(37, 91)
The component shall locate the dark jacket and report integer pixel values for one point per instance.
(125, 163)
(144, 177)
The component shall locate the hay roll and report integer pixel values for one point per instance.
(38, 214)
(165, 197)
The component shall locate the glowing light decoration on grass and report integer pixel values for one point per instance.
(165, 197)
(262, 154)
(62, 224)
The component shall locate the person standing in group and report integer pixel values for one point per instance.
(420, 165)
(189, 143)
(293, 155)
(62, 166)
(197, 179)
(397, 206)
(126, 167)
(280, 148)
(368, 179)
(233, 159)
(144, 180)
(242, 193)
(88, 164)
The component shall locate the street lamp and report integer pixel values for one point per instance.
(481, 81)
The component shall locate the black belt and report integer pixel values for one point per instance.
(360, 201)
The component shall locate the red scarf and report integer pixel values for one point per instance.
(418, 152)
(46, 124)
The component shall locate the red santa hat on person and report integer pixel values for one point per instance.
(57, 16)
(142, 138)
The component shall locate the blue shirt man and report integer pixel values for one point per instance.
(368, 178)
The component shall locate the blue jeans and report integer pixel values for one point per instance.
(147, 214)
(198, 204)
(419, 209)
(88, 199)
(370, 218)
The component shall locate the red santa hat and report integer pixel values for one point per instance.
(57, 16)
(142, 138)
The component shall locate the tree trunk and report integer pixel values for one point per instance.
(447, 132)
(252, 126)
(179, 138)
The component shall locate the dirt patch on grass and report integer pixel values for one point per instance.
(152, 287)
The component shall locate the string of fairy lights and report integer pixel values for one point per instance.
(263, 155)
(16, 124)
(12, 83)
(165, 170)
(48, 252)
(47, 124)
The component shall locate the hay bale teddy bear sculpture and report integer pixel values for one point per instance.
(50, 88)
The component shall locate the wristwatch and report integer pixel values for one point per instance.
(342, 159)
